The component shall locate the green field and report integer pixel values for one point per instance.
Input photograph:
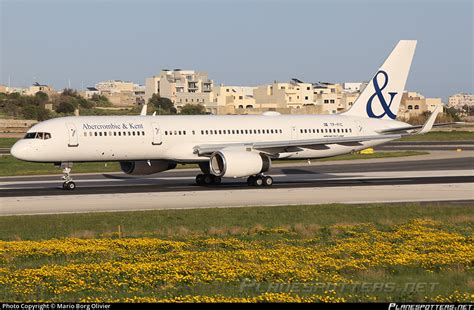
(10, 166)
(177, 224)
(7, 142)
(375, 252)
(442, 136)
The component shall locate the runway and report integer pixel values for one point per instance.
(439, 176)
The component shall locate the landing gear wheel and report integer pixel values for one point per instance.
(200, 179)
(267, 180)
(258, 181)
(208, 179)
(217, 180)
(69, 185)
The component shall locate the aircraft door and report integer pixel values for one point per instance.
(156, 135)
(294, 133)
(73, 139)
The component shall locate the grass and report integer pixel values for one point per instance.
(453, 135)
(7, 142)
(207, 254)
(250, 223)
(10, 166)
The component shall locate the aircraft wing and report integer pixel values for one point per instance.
(419, 129)
(415, 127)
(273, 147)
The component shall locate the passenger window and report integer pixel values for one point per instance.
(115, 133)
(105, 133)
(95, 133)
(133, 133)
(120, 133)
(129, 133)
(143, 133)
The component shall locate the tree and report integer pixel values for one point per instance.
(162, 105)
(86, 104)
(70, 92)
(65, 107)
(41, 97)
(193, 109)
(100, 100)
(30, 112)
(453, 113)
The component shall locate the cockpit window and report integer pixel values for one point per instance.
(38, 135)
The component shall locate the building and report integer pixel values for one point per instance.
(233, 99)
(37, 87)
(90, 92)
(458, 101)
(170, 84)
(119, 93)
(414, 104)
(114, 86)
(3, 89)
(354, 87)
(294, 94)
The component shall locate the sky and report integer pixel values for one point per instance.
(245, 43)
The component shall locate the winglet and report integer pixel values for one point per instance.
(144, 108)
(429, 123)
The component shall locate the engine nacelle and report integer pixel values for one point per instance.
(234, 164)
(141, 167)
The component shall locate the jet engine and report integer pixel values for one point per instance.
(230, 163)
(142, 167)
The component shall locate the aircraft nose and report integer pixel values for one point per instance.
(21, 150)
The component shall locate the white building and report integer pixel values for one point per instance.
(169, 84)
(460, 100)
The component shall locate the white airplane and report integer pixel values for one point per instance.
(231, 146)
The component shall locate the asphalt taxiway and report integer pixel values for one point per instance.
(439, 176)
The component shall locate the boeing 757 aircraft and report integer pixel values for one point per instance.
(230, 146)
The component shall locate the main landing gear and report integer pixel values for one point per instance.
(68, 182)
(208, 179)
(259, 180)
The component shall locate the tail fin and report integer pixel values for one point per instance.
(381, 97)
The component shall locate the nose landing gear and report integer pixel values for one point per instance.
(68, 182)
